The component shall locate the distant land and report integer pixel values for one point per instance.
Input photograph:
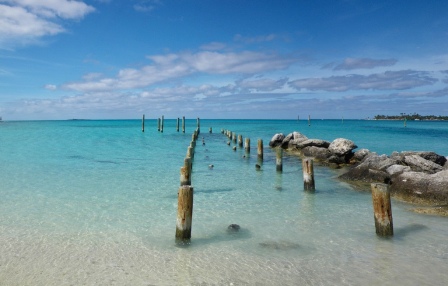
(414, 116)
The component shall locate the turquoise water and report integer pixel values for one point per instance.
(95, 202)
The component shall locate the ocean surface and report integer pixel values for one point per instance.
(94, 203)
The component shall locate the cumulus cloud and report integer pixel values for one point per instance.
(263, 84)
(389, 80)
(50, 87)
(175, 66)
(22, 21)
(360, 63)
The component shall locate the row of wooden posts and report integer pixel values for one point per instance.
(185, 192)
(160, 123)
(307, 163)
(380, 192)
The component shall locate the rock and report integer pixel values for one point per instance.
(432, 187)
(341, 146)
(292, 139)
(233, 228)
(361, 154)
(430, 156)
(276, 140)
(318, 153)
(313, 142)
(370, 170)
(397, 169)
(420, 164)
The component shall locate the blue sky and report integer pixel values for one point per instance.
(107, 59)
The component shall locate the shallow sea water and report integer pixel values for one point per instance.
(95, 202)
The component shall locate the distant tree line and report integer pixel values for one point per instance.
(414, 116)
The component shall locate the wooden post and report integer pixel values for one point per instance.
(183, 124)
(185, 172)
(234, 137)
(240, 141)
(177, 125)
(158, 124)
(247, 146)
(308, 174)
(190, 152)
(260, 149)
(184, 213)
(210, 130)
(143, 123)
(279, 159)
(309, 120)
(382, 209)
(199, 126)
(161, 125)
(193, 144)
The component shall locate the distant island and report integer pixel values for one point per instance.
(414, 116)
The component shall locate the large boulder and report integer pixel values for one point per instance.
(313, 142)
(341, 146)
(371, 169)
(361, 154)
(430, 156)
(420, 164)
(432, 187)
(276, 140)
(319, 153)
(293, 139)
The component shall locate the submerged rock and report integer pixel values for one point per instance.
(233, 228)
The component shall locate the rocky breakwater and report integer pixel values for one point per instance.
(419, 177)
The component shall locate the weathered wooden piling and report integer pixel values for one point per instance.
(199, 126)
(247, 145)
(309, 120)
(185, 172)
(279, 159)
(308, 174)
(143, 123)
(184, 213)
(260, 149)
(177, 125)
(190, 152)
(234, 137)
(183, 124)
(158, 124)
(161, 124)
(210, 130)
(240, 141)
(382, 209)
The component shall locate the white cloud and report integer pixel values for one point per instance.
(364, 63)
(175, 66)
(24, 21)
(264, 84)
(389, 80)
(50, 87)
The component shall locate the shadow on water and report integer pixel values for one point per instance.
(212, 191)
(224, 236)
(402, 232)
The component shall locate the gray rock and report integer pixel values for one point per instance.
(341, 146)
(397, 169)
(430, 156)
(293, 139)
(313, 142)
(419, 164)
(361, 154)
(233, 228)
(277, 140)
(432, 187)
(319, 153)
